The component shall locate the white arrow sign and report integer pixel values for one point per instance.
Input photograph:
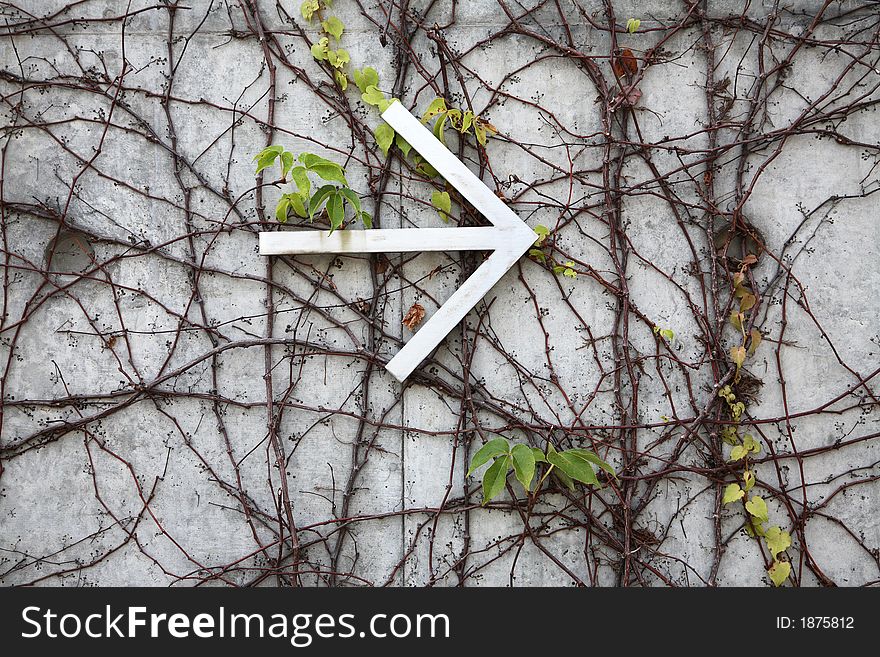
(508, 238)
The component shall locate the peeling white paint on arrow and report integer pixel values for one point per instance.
(508, 238)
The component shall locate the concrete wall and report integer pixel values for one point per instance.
(135, 397)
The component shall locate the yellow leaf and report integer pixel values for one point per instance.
(779, 572)
(737, 320)
(758, 508)
(738, 355)
(756, 340)
(751, 444)
(732, 493)
(778, 540)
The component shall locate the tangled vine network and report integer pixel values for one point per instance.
(699, 311)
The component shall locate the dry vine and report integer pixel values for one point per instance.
(210, 416)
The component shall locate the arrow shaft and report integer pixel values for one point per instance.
(384, 240)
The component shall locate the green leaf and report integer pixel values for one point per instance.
(587, 455)
(443, 203)
(297, 204)
(266, 158)
(732, 493)
(337, 58)
(437, 106)
(779, 572)
(335, 210)
(438, 128)
(366, 77)
(334, 27)
(372, 95)
(567, 481)
(308, 9)
(574, 466)
(286, 163)
(318, 199)
(632, 25)
(738, 452)
(755, 528)
(384, 135)
(269, 149)
(301, 178)
(327, 169)
(778, 540)
(538, 254)
(331, 172)
(466, 121)
(751, 444)
(310, 159)
(729, 436)
(281, 209)
(538, 455)
(320, 50)
(736, 319)
(424, 168)
(758, 508)
(542, 232)
(352, 199)
(667, 334)
(402, 144)
(748, 480)
(367, 218)
(523, 464)
(495, 477)
(341, 79)
(487, 452)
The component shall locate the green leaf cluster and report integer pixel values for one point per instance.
(777, 539)
(539, 253)
(569, 466)
(666, 334)
(333, 196)
(464, 122)
(332, 27)
(566, 269)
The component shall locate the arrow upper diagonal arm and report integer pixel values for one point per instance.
(451, 168)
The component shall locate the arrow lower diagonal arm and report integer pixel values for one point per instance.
(448, 315)
(508, 238)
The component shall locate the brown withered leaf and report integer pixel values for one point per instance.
(625, 63)
(413, 316)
